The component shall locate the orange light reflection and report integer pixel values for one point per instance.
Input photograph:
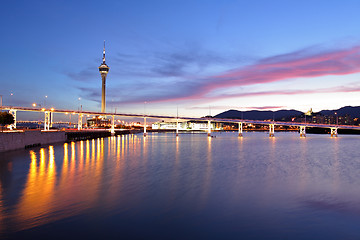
(48, 196)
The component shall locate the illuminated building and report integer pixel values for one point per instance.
(187, 125)
(98, 121)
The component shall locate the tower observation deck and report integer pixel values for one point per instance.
(103, 69)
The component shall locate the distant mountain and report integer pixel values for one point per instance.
(285, 115)
(348, 110)
(260, 115)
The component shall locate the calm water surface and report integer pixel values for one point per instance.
(190, 187)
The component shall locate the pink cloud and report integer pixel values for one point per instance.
(300, 64)
(292, 92)
(293, 65)
(236, 107)
(282, 67)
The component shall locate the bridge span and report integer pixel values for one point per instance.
(48, 112)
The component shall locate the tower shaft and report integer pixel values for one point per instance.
(103, 93)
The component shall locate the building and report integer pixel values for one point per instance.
(98, 121)
(103, 69)
(188, 125)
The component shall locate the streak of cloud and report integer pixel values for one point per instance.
(298, 64)
(291, 92)
(236, 107)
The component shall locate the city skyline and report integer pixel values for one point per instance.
(191, 56)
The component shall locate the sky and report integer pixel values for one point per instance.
(186, 57)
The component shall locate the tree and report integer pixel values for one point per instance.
(6, 119)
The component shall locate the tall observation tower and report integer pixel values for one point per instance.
(103, 69)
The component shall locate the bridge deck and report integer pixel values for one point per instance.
(31, 109)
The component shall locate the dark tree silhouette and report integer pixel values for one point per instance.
(6, 119)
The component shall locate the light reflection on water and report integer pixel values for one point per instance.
(191, 186)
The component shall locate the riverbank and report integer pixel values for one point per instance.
(14, 140)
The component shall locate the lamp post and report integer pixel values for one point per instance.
(11, 94)
(35, 105)
(1, 102)
(45, 100)
(80, 106)
(337, 120)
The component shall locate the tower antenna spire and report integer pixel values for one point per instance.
(104, 53)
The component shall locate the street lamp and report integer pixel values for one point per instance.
(45, 100)
(11, 94)
(36, 104)
(337, 120)
(80, 106)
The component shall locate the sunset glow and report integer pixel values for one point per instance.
(229, 55)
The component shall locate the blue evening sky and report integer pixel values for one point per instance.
(191, 55)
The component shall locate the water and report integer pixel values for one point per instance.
(190, 187)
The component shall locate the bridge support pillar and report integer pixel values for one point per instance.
(144, 126)
(333, 132)
(13, 112)
(51, 118)
(240, 129)
(209, 128)
(271, 130)
(302, 131)
(113, 125)
(80, 122)
(47, 120)
(177, 127)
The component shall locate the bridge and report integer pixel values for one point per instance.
(48, 113)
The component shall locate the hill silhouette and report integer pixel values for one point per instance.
(259, 115)
(348, 110)
(286, 115)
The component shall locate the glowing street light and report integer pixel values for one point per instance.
(35, 105)
(11, 94)
(80, 106)
(337, 120)
(45, 100)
